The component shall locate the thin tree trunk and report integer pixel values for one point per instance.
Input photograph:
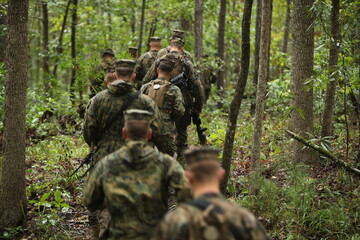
(12, 187)
(59, 47)
(333, 62)
(3, 32)
(287, 26)
(133, 18)
(256, 57)
(262, 82)
(110, 33)
(73, 48)
(198, 29)
(46, 58)
(221, 46)
(152, 31)
(301, 71)
(239, 92)
(141, 26)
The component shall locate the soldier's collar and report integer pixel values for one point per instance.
(211, 195)
(161, 78)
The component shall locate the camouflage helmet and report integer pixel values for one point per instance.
(137, 115)
(108, 51)
(125, 65)
(198, 154)
(176, 33)
(155, 39)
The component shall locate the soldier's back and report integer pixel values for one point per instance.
(210, 217)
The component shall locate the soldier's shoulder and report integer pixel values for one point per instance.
(181, 215)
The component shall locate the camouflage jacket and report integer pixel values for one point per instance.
(193, 94)
(143, 63)
(166, 50)
(97, 77)
(172, 106)
(133, 182)
(191, 223)
(106, 104)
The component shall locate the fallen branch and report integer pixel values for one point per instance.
(323, 152)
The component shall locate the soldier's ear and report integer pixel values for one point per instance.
(114, 74)
(157, 71)
(124, 133)
(221, 174)
(133, 76)
(189, 176)
(149, 135)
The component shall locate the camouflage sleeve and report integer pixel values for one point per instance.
(139, 72)
(151, 73)
(161, 53)
(175, 226)
(178, 181)
(144, 88)
(179, 108)
(90, 130)
(93, 190)
(197, 88)
(189, 56)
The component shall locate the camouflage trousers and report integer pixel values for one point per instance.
(166, 144)
(99, 221)
(182, 136)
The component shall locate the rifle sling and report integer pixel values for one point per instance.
(127, 103)
(203, 204)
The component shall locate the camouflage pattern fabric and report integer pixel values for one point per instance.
(97, 78)
(171, 109)
(104, 106)
(166, 50)
(143, 63)
(191, 223)
(133, 182)
(209, 78)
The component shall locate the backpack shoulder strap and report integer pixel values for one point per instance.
(203, 204)
(127, 103)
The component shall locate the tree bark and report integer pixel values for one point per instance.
(59, 47)
(141, 26)
(3, 32)
(262, 82)
(152, 31)
(12, 188)
(221, 46)
(287, 26)
(333, 62)
(301, 71)
(256, 57)
(239, 92)
(73, 48)
(198, 29)
(46, 58)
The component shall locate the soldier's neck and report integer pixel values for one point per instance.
(154, 49)
(163, 76)
(199, 190)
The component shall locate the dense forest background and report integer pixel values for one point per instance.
(282, 65)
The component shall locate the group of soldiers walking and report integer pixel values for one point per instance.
(150, 103)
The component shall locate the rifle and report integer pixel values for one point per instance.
(200, 131)
(86, 160)
(180, 80)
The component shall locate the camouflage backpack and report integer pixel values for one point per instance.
(211, 223)
(157, 90)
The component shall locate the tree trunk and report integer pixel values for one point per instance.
(73, 48)
(109, 23)
(333, 62)
(287, 26)
(256, 57)
(3, 32)
(221, 46)
(46, 59)
(59, 47)
(12, 188)
(141, 26)
(262, 82)
(301, 71)
(239, 92)
(198, 29)
(152, 31)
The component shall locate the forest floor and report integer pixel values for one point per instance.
(315, 200)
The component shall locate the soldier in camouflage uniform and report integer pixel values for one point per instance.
(193, 92)
(97, 79)
(144, 62)
(208, 216)
(133, 182)
(177, 34)
(208, 76)
(168, 98)
(107, 104)
(133, 51)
